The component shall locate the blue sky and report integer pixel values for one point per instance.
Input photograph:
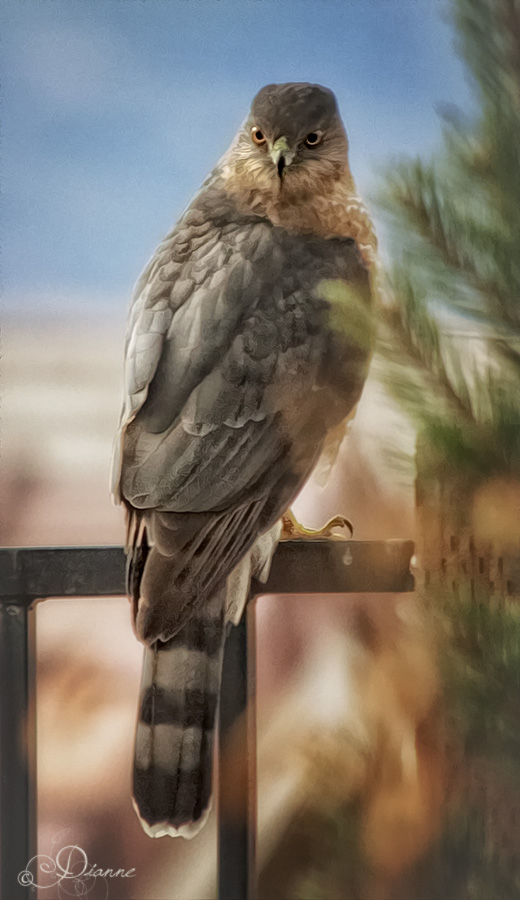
(113, 111)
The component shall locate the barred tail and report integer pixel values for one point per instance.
(175, 731)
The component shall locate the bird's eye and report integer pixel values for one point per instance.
(313, 138)
(258, 135)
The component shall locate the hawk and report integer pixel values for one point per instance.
(248, 344)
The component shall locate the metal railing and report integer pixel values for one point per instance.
(29, 576)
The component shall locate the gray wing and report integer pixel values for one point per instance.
(185, 305)
(229, 397)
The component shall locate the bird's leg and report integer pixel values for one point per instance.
(292, 530)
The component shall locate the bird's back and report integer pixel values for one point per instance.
(248, 343)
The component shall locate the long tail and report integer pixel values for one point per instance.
(175, 732)
(180, 685)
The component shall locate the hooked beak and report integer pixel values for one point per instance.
(282, 155)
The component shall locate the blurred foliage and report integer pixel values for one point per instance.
(482, 667)
(477, 856)
(326, 855)
(451, 320)
(463, 870)
(450, 343)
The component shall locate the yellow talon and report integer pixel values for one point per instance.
(293, 530)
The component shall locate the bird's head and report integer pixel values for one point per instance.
(289, 164)
(296, 125)
(292, 145)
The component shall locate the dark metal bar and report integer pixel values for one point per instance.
(18, 816)
(339, 567)
(237, 765)
(299, 567)
(251, 749)
(232, 852)
(39, 572)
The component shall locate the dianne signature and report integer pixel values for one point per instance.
(70, 870)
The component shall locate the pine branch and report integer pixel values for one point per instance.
(465, 246)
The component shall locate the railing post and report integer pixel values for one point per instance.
(30, 573)
(18, 835)
(237, 764)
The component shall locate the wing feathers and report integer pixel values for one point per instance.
(189, 559)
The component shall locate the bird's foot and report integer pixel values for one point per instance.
(334, 530)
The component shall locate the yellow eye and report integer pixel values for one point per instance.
(257, 135)
(313, 138)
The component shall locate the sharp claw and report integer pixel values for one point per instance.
(338, 522)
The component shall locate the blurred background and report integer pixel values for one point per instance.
(405, 784)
